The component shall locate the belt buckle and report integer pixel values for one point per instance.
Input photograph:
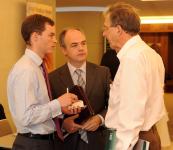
(31, 135)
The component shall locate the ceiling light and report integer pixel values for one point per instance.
(156, 19)
(144, 19)
(80, 8)
(154, 0)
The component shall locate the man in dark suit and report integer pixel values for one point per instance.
(96, 79)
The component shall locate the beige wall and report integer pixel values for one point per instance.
(11, 45)
(169, 106)
(91, 23)
(12, 12)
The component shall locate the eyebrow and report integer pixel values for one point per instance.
(78, 42)
(52, 33)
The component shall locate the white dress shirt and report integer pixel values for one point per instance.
(29, 103)
(136, 96)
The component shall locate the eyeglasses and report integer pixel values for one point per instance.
(106, 28)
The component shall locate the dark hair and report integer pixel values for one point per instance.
(34, 23)
(63, 33)
(126, 16)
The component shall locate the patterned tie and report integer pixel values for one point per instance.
(56, 119)
(81, 82)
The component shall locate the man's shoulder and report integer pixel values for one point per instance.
(90, 64)
(58, 70)
(23, 64)
(23, 69)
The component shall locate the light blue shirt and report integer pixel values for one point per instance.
(29, 103)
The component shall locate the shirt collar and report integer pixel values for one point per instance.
(72, 68)
(127, 45)
(32, 55)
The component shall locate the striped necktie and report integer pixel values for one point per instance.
(81, 82)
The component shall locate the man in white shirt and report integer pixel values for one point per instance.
(136, 96)
(29, 95)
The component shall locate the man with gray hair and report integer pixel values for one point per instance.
(136, 96)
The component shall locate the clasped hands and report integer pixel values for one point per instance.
(91, 124)
(69, 124)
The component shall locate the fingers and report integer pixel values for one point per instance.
(92, 124)
(74, 110)
(77, 126)
(89, 126)
(69, 124)
(74, 98)
(67, 99)
(75, 116)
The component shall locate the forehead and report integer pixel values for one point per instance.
(107, 20)
(49, 28)
(74, 36)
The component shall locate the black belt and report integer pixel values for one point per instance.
(50, 136)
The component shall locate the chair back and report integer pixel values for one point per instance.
(4, 127)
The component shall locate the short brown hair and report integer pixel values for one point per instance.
(63, 33)
(34, 23)
(124, 15)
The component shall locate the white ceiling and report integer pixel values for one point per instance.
(146, 8)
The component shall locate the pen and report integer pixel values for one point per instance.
(67, 90)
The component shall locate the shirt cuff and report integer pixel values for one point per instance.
(102, 119)
(55, 108)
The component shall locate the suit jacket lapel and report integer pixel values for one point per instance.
(65, 76)
(90, 77)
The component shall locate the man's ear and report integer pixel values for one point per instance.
(34, 37)
(120, 30)
(64, 51)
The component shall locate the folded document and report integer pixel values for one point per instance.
(111, 140)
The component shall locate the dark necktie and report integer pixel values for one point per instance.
(56, 119)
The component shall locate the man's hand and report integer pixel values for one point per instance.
(71, 110)
(70, 126)
(67, 99)
(92, 124)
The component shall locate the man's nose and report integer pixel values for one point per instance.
(80, 47)
(55, 40)
(103, 34)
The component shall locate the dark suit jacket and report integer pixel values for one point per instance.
(111, 61)
(97, 90)
(2, 114)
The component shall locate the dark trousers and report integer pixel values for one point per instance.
(74, 142)
(25, 143)
(153, 137)
(96, 140)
